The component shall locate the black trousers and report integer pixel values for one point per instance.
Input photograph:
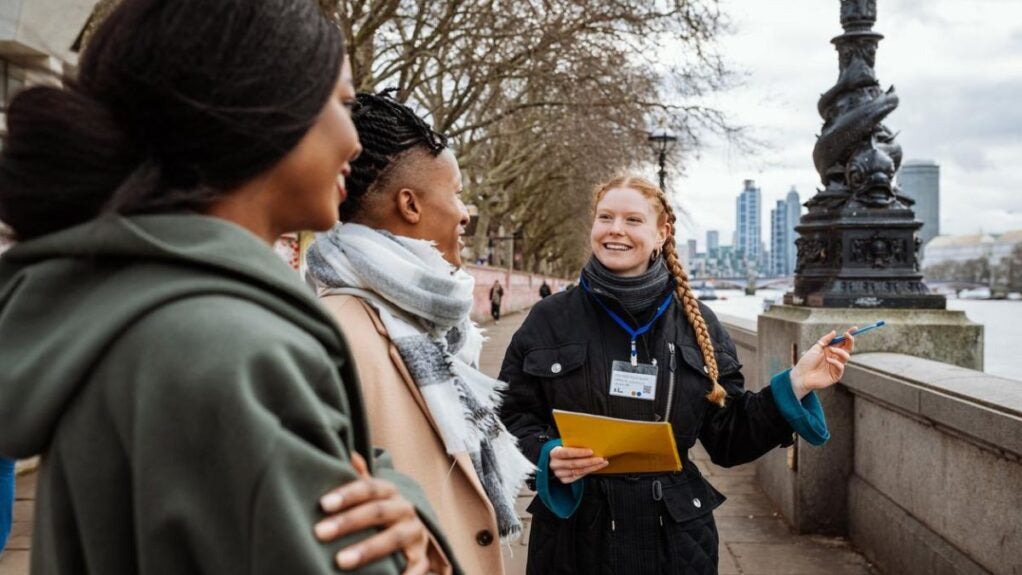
(495, 310)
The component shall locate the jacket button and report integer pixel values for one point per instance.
(697, 503)
(484, 537)
(556, 368)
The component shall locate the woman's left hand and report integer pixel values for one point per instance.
(368, 503)
(823, 365)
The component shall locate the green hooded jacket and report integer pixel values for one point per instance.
(191, 399)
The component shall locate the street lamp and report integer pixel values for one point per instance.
(662, 142)
(858, 245)
(517, 236)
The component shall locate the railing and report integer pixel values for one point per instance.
(924, 468)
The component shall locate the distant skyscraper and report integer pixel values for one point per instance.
(682, 251)
(783, 220)
(778, 238)
(747, 224)
(920, 180)
(794, 214)
(712, 244)
(692, 250)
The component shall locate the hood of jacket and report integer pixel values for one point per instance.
(66, 297)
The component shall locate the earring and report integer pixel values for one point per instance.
(655, 255)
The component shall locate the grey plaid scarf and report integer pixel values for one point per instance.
(424, 303)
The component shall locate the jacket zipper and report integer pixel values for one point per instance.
(672, 365)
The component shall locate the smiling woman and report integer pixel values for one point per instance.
(634, 343)
(391, 275)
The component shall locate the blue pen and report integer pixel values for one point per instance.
(841, 338)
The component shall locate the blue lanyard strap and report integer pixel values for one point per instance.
(634, 333)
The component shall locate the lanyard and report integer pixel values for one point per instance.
(634, 333)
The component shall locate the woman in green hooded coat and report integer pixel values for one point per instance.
(192, 401)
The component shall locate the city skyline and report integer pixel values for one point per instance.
(776, 257)
(956, 66)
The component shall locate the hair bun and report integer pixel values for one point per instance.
(176, 104)
(63, 148)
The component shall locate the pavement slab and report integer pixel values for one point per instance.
(726, 564)
(803, 557)
(14, 562)
(749, 505)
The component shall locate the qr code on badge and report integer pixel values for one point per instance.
(647, 389)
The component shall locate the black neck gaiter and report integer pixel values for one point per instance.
(638, 294)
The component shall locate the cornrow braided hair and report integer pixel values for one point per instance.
(387, 129)
(682, 290)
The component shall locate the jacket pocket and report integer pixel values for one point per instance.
(554, 362)
(562, 373)
(726, 363)
(690, 499)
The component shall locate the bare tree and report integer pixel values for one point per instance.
(542, 98)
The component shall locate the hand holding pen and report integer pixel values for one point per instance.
(824, 363)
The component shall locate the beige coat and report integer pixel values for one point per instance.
(400, 422)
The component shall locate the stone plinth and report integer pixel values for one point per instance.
(810, 484)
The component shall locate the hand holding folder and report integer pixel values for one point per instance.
(630, 446)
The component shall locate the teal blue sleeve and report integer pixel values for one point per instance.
(806, 416)
(562, 499)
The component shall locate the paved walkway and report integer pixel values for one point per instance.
(754, 539)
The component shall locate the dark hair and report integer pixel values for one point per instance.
(175, 103)
(387, 129)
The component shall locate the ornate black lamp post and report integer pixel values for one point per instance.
(858, 246)
(662, 143)
(517, 236)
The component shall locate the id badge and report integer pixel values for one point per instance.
(636, 382)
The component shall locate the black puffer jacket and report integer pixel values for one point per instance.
(647, 524)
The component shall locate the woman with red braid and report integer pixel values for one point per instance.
(634, 343)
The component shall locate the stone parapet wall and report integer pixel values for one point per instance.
(933, 460)
(937, 483)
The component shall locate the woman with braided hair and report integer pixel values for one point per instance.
(391, 274)
(634, 343)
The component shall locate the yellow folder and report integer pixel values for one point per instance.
(630, 446)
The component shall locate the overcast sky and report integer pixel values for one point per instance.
(956, 65)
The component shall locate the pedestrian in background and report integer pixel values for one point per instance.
(633, 342)
(391, 274)
(195, 403)
(544, 290)
(496, 296)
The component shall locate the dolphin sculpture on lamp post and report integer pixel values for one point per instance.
(858, 244)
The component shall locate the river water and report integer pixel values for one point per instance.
(1002, 320)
